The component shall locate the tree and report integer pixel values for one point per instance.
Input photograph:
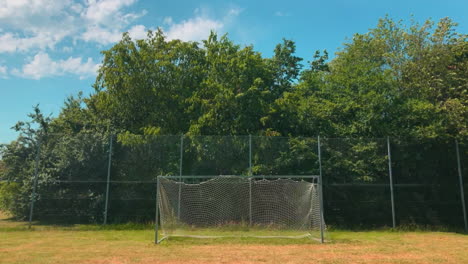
(285, 67)
(408, 82)
(235, 93)
(144, 85)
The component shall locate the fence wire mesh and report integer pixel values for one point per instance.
(426, 180)
(463, 178)
(99, 178)
(71, 179)
(356, 182)
(134, 168)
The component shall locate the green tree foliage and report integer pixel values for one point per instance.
(405, 81)
(141, 82)
(234, 93)
(400, 81)
(394, 80)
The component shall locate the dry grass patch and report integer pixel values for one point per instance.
(53, 245)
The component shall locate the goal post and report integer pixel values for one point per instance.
(239, 206)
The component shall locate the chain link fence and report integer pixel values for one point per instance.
(368, 183)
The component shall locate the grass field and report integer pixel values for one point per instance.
(133, 244)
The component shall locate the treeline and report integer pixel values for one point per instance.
(406, 82)
(392, 81)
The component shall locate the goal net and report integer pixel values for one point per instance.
(230, 206)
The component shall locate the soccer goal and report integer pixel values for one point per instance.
(232, 206)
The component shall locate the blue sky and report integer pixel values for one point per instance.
(50, 49)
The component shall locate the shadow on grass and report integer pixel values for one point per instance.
(172, 241)
(8, 223)
(12, 224)
(401, 229)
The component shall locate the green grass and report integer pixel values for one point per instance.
(134, 243)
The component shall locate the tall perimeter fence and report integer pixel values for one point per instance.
(367, 183)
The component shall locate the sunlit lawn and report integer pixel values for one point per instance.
(134, 244)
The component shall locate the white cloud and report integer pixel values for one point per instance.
(104, 37)
(41, 24)
(10, 42)
(77, 8)
(193, 29)
(43, 66)
(138, 32)
(199, 27)
(105, 12)
(38, 24)
(28, 10)
(38, 28)
(101, 35)
(3, 71)
(105, 20)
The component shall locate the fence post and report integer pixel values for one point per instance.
(109, 163)
(390, 173)
(250, 155)
(156, 223)
(320, 185)
(250, 201)
(180, 174)
(36, 175)
(250, 180)
(181, 154)
(462, 193)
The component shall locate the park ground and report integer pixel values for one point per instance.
(134, 244)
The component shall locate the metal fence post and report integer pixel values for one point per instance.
(109, 163)
(181, 154)
(36, 175)
(250, 180)
(250, 201)
(462, 193)
(156, 218)
(320, 185)
(390, 173)
(180, 174)
(250, 155)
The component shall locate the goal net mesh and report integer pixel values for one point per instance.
(230, 206)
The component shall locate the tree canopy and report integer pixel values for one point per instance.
(398, 80)
(395, 80)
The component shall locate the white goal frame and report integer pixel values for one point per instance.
(181, 180)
